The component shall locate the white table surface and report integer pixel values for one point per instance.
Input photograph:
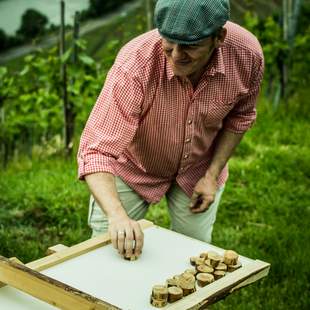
(101, 271)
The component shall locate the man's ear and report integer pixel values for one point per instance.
(219, 39)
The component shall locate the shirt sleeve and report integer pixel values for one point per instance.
(112, 123)
(243, 115)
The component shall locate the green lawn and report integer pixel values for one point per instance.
(264, 212)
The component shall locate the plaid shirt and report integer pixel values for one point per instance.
(150, 128)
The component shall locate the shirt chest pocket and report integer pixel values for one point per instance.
(212, 113)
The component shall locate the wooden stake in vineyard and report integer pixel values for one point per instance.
(290, 12)
(67, 106)
(76, 30)
(149, 14)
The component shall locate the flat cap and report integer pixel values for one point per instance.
(190, 21)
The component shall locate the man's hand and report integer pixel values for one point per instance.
(204, 194)
(126, 235)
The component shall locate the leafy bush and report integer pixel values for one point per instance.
(31, 100)
(277, 52)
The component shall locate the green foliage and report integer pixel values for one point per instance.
(32, 98)
(277, 52)
(33, 24)
(112, 37)
(300, 70)
(33, 108)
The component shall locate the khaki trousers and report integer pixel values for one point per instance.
(198, 226)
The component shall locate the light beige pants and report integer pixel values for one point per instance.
(198, 226)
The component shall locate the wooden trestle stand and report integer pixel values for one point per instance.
(29, 278)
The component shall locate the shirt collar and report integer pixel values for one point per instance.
(216, 65)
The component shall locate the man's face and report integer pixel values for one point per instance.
(188, 59)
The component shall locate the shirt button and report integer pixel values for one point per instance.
(188, 140)
(189, 121)
(186, 156)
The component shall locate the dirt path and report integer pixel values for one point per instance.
(85, 28)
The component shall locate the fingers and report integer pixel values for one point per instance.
(121, 241)
(127, 238)
(113, 236)
(194, 200)
(139, 239)
(202, 204)
(129, 242)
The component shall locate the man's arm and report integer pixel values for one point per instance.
(205, 189)
(236, 123)
(110, 128)
(123, 230)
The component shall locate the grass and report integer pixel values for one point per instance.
(264, 213)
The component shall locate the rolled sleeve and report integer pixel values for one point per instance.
(112, 123)
(94, 163)
(243, 115)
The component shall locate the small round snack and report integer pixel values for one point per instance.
(187, 277)
(204, 268)
(230, 257)
(193, 260)
(174, 293)
(188, 290)
(231, 268)
(171, 282)
(221, 266)
(204, 278)
(131, 258)
(158, 303)
(192, 271)
(200, 261)
(218, 274)
(204, 255)
(187, 283)
(160, 292)
(214, 258)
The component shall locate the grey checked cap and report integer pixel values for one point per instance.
(190, 21)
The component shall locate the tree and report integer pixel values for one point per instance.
(33, 24)
(3, 40)
(99, 7)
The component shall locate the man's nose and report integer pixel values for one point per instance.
(178, 53)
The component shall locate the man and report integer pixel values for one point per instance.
(174, 106)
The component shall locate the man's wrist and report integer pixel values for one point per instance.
(212, 173)
(118, 212)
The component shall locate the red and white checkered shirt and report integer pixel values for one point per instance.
(150, 128)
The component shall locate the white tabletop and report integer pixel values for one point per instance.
(125, 284)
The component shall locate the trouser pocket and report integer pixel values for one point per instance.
(97, 220)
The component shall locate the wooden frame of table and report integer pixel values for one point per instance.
(27, 278)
